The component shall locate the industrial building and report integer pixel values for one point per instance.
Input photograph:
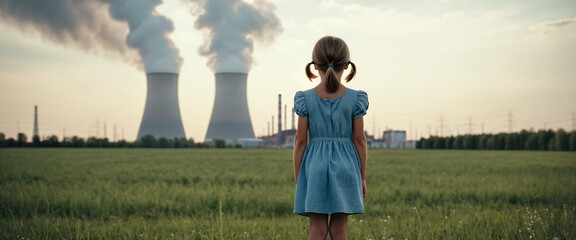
(391, 139)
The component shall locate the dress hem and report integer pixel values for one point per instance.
(305, 214)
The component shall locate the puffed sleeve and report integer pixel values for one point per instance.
(361, 104)
(300, 104)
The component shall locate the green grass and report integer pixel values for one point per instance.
(248, 194)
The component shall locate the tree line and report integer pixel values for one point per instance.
(146, 141)
(546, 140)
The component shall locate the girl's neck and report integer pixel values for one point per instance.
(321, 91)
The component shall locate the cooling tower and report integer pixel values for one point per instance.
(230, 117)
(162, 112)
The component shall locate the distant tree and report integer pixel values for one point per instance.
(163, 142)
(92, 142)
(552, 144)
(572, 141)
(51, 141)
(104, 142)
(201, 145)
(11, 142)
(562, 142)
(36, 141)
(2, 140)
(148, 141)
(439, 143)
(191, 142)
(501, 141)
(509, 142)
(21, 142)
(469, 142)
(522, 137)
(419, 143)
(492, 142)
(458, 140)
(219, 143)
(122, 144)
(77, 142)
(449, 142)
(426, 143)
(66, 142)
(177, 143)
(532, 142)
(482, 142)
(544, 137)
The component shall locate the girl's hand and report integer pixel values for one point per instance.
(364, 188)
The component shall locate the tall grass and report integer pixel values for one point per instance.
(248, 194)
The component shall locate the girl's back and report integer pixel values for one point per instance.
(331, 117)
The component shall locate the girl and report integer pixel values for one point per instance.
(330, 146)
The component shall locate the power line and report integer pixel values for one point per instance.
(573, 121)
(441, 124)
(470, 124)
(510, 121)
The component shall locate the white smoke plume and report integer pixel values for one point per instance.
(83, 24)
(87, 24)
(148, 33)
(234, 26)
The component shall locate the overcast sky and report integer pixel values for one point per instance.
(471, 63)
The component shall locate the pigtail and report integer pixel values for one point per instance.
(332, 82)
(352, 73)
(309, 73)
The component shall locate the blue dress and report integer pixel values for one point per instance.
(329, 180)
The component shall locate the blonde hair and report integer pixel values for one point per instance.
(330, 55)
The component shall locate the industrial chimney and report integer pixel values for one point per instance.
(293, 119)
(279, 113)
(35, 121)
(230, 117)
(162, 112)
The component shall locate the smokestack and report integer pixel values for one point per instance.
(162, 112)
(293, 119)
(35, 121)
(230, 116)
(279, 113)
(285, 116)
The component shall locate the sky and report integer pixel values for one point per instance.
(440, 67)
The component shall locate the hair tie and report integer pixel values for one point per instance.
(312, 62)
(349, 61)
(330, 65)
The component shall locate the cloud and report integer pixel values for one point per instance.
(560, 22)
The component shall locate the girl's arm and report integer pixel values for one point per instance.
(360, 143)
(300, 142)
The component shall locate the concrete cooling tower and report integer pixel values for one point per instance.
(230, 117)
(162, 112)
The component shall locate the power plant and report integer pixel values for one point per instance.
(162, 112)
(230, 118)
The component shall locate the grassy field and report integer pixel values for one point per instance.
(248, 194)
